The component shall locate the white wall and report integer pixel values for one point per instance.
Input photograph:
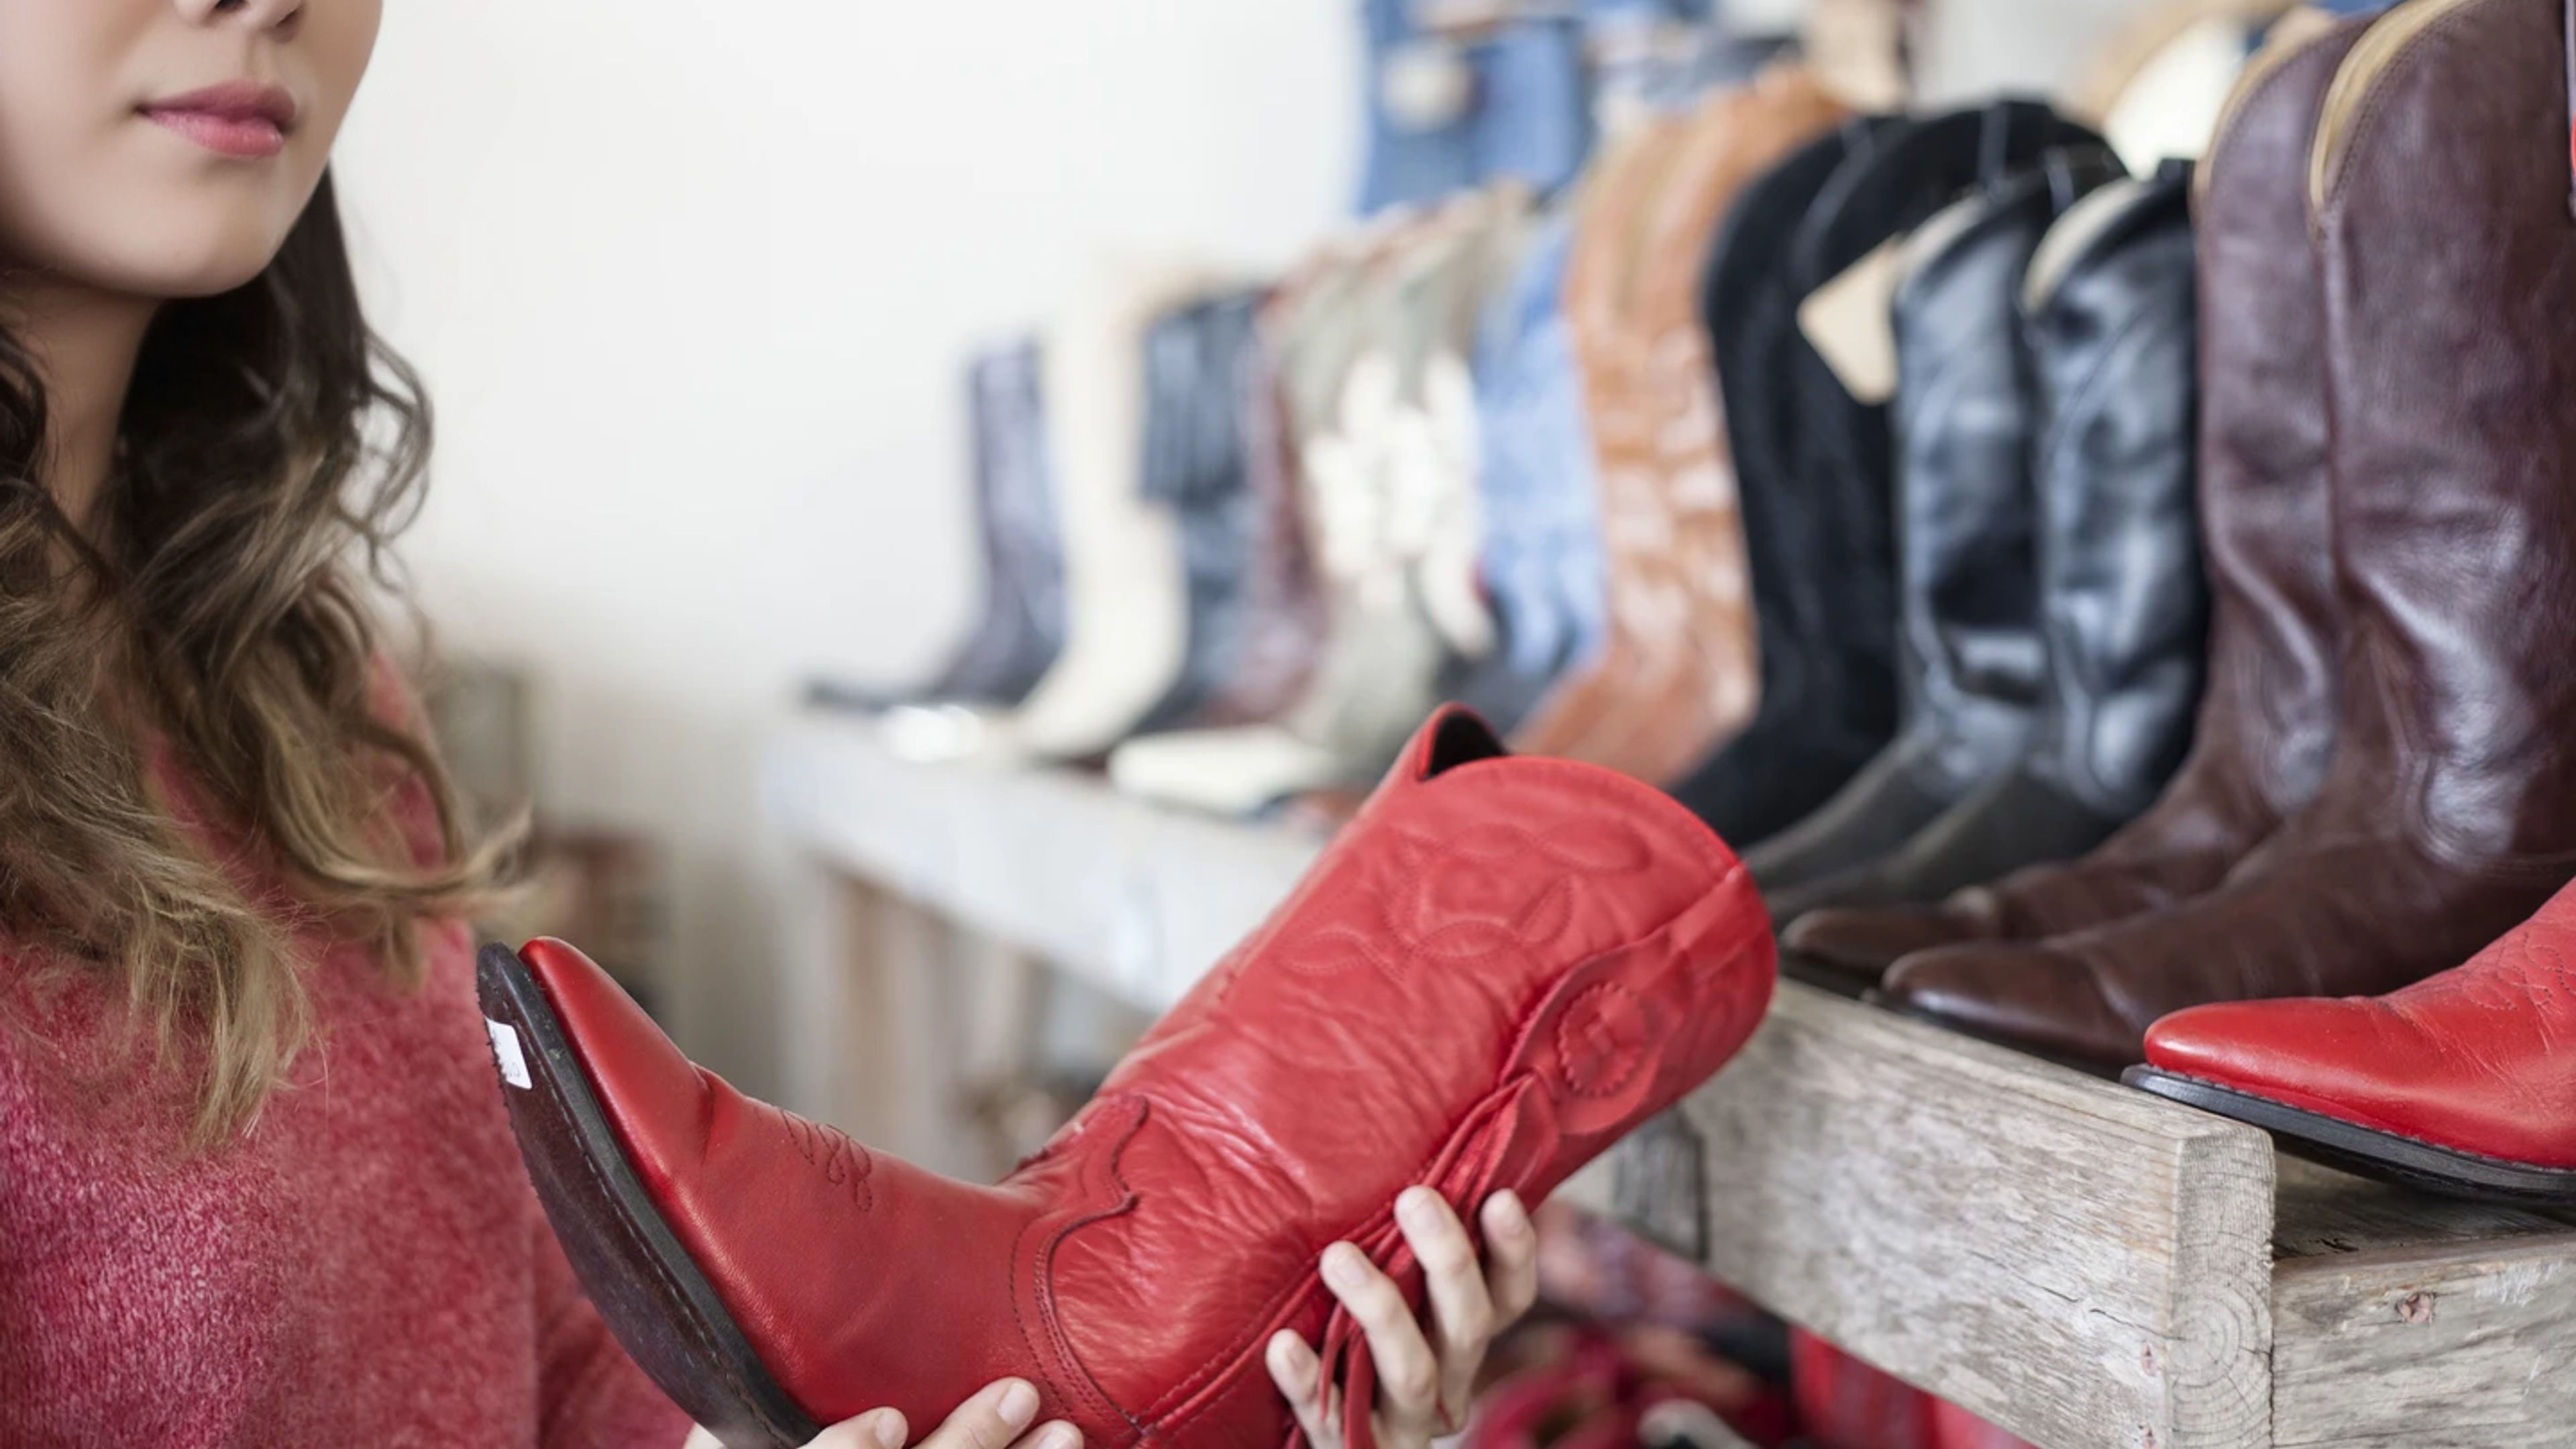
(691, 281)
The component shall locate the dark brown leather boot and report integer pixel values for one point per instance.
(2266, 724)
(2438, 192)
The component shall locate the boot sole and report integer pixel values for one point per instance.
(2407, 1161)
(1825, 976)
(643, 1282)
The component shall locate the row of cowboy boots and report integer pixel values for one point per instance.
(2441, 209)
(1603, 587)
(1495, 454)
(2051, 606)
(1814, 457)
(2382, 780)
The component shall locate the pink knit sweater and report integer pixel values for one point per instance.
(368, 1268)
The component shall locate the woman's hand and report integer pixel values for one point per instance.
(1423, 1381)
(997, 1418)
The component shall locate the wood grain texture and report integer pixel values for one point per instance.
(2322, 1213)
(2469, 1346)
(2076, 1262)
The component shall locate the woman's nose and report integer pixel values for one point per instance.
(252, 14)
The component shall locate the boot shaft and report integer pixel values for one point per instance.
(2438, 192)
(1013, 485)
(2110, 312)
(1966, 423)
(1899, 181)
(1749, 310)
(2275, 627)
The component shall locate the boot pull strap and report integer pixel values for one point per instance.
(1994, 143)
(2061, 182)
(1486, 1156)
(1347, 1361)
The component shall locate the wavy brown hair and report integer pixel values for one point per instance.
(270, 448)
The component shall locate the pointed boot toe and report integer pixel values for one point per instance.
(2040, 998)
(2450, 1084)
(1499, 968)
(2286, 1047)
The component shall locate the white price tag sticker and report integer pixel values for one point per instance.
(505, 1050)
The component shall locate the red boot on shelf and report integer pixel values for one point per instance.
(1498, 968)
(2465, 1083)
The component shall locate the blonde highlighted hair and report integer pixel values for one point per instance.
(270, 449)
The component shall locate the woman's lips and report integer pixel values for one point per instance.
(240, 119)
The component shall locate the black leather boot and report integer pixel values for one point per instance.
(2110, 310)
(1966, 424)
(1019, 626)
(1815, 486)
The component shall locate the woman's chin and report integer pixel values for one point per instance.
(167, 273)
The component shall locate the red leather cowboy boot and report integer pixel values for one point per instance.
(2459, 1083)
(1498, 968)
(2448, 813)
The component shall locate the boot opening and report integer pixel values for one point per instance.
(1461, 739)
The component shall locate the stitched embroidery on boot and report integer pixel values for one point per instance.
(1600, 1040)
(841, 1160)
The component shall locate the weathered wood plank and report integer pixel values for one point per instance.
(2470, 1346)
(2078, 1263)
(2322, 1213)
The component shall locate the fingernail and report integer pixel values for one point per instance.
(1019, 1404)
(1062, 1436)
(1415, 1207)
(1342, 1265)
(888, 1430)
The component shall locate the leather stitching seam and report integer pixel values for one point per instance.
(1042, 1283)
(2376, 101)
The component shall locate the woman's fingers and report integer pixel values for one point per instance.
(1408, 1373)
(1463, 1316)
(882, 1429)
(999, 1418)
(1511, 1257)
(1300, 1377)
